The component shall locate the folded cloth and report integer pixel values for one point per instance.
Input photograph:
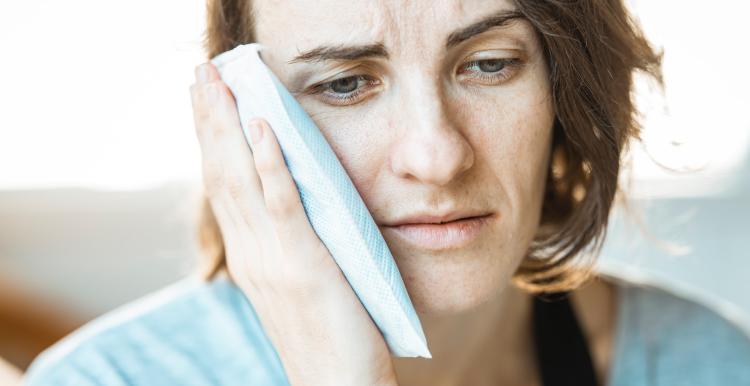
(335, 209)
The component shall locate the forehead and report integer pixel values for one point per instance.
(299, 25)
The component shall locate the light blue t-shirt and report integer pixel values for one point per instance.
(206, 333)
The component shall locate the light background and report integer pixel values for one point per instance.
(95, 94)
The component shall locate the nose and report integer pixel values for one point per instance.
(431, 147)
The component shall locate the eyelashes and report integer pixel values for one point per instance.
(347, 90)
(500, 70)
(346, 97)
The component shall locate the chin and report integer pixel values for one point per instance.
(450, 286)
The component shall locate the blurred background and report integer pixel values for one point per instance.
(100, 168)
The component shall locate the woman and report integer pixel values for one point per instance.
(505, 120)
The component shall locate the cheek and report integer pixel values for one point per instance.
(511, 131)
(526, 144)
(359, 141)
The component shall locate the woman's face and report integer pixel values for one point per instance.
(428, 112)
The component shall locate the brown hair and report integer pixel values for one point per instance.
(593, 49)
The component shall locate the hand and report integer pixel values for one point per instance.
(9, 374)
(323, 334)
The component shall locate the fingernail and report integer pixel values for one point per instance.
(256, 131)
(201, 73)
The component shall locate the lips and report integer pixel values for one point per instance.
(427, 218)
(454, 234)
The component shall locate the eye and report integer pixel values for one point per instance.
(345, 85)
(344, 91)
(491, 71)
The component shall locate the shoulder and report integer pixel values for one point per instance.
(191, 333)
(664, 339)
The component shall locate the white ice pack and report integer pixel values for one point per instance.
(335, 209)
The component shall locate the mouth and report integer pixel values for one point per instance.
(442, 236)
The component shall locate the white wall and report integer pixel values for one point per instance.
(89, 251)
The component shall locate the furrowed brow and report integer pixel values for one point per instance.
(342, 52)
(378, 50)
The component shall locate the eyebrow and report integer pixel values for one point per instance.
(498, 19)
(378, 50)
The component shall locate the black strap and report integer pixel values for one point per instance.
(561, 349)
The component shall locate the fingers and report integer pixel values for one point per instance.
(253, 189)
(280, 193)
(202, 110)
(228, 165)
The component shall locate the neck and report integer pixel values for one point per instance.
(488, 343)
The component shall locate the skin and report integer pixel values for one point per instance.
(457, 143)
(429, 131)
(9, 374)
